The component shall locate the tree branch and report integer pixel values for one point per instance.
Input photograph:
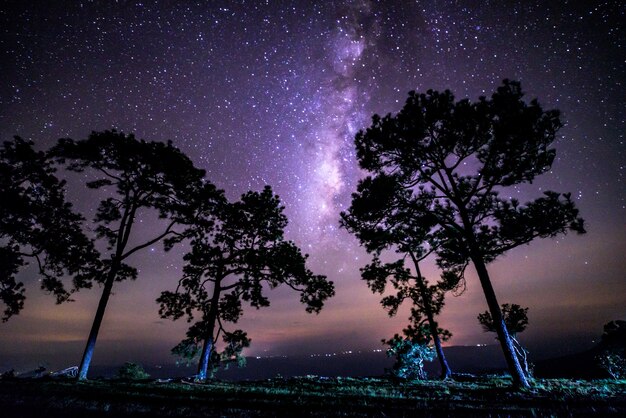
(106, 173)
(168, 231)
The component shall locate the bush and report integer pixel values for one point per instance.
(132, 371)
(614, 362)
(410, 357)
(613, 345)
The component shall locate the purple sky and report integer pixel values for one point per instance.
(272, 93)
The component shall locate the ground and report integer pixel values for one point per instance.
(312, 396)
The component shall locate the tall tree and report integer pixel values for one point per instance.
(384, 216)
(134, 177)
(458, 155)
(236, 250)
(36, 223)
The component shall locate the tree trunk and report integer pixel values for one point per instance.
(205, 357)
(97, 321)
(446, 373)
(519, 378)
(209, 343)
(522, 355)
(443, 363)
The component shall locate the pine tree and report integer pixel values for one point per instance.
(456, 157)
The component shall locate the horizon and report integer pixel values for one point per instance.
(274, 95)
(464, 358)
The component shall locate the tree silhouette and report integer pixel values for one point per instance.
(134, 176)
(614, 335)
(457, 157)
(37, 223)
(237, 249)
(384, 216)
(516, 320)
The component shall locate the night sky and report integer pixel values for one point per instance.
(273, 92)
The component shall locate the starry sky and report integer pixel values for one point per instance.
(273, 92)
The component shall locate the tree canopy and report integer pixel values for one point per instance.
(515, 318)
(384, 217)
(237, 249)
(37, 223)
(133, 177)
(454, 158)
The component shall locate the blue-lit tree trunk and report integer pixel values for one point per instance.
(455, 157)
(95, 327)
(133, 175)
(519, 377)
(123, 234)
(237, 249)
(446, 372)
(209, 340)
(382, 216)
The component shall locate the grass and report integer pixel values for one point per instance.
(313, 396)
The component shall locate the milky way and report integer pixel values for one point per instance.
(273, 93)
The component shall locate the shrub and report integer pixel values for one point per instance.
(410, 357)
(614, 362)
(132, 371)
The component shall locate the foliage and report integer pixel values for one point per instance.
(426, 147)
(427, 300)
(452, 159)
(614, 335)
(410, 354)
(132, 371)
(135, 177)
(613, 347)
(37, 223)
(190, 348)
(515, 319)
(237, 249)
(614, 363)
(384, 217)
